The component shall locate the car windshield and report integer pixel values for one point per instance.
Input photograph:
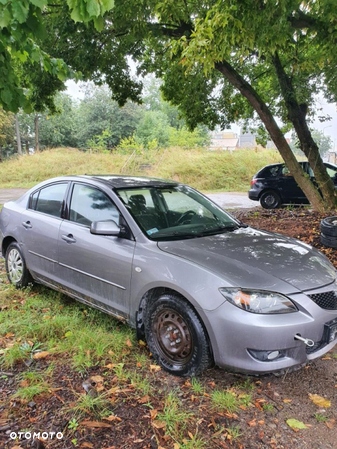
(178, 212)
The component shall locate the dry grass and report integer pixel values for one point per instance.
(204, 170)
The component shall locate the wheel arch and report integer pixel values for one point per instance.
(5, 244)
(270, 189)
(149, 297)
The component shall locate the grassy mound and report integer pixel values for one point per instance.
(203, 169)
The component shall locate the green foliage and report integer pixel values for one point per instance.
(153, 126)
(325, 143)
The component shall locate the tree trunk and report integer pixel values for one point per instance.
(18, 137)
(275, 133)
(1, 153)
(297, 114)
(27, 147)
(36, 123)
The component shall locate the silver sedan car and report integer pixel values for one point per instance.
(197, 284)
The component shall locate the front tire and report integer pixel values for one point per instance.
(270, 199)
(16, 267)
(176, 336)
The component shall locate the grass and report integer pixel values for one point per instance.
(176, 419)
(203, 169)
(225, 400)
(96, 406)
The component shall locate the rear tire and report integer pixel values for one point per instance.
(176, 336)
(16, 268)
(270, 199)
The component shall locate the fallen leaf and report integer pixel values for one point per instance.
(113, 418)
(97, 379)
(41, 355)
(87, 445)
(252, 423)
(9, 335)
(159, 424)
(138, 441)
(155, 368)
(144, 399)
(94, 424)
(261, 422)
(330, 424)
(153, 413)
(295, 424)
(176, 446)
(128, 343)
(141, 343)
(24, 383)
(190, 435)
(287, 401)
(320, 401)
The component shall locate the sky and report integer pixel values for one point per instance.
(329, 128)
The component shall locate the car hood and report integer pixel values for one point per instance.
(252, 258)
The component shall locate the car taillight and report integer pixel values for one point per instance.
(253, 181)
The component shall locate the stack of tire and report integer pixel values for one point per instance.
(329, 232)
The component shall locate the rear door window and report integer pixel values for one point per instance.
(270, 172)
(49, 200)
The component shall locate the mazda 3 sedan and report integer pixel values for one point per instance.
(196, 283)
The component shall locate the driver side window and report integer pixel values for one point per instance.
(89, 204)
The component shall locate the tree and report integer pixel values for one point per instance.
(324, 143)
(7, 132)
(220, 60)
(97, 113)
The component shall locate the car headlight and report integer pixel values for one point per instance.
(258, 301)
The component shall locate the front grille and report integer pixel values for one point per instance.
(327, 300)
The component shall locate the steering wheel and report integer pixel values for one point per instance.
(185, 215)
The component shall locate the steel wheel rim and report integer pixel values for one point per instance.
(15, 265)
(173, 338)
(270, 199)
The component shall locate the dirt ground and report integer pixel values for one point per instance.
(260, 422)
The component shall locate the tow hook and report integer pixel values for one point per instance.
(306, 341)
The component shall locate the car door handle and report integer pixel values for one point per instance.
(68, 238)
(27, 224)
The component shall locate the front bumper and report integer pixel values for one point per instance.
(237, 336)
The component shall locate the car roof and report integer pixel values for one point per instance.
(123, 181)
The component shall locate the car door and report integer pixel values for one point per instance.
(40, 229)
(288, 187)
(96, 268)
(332, 172)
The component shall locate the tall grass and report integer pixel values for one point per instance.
(203, 169)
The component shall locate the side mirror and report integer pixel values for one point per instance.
(107, 227)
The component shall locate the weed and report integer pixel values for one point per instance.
(28, 393)
(268, 407)
(88, 405)
(73, 424)
(225, 400)
(197, 387)
(234, 432)
(246, 385)
(174, 417)
(320, 418)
